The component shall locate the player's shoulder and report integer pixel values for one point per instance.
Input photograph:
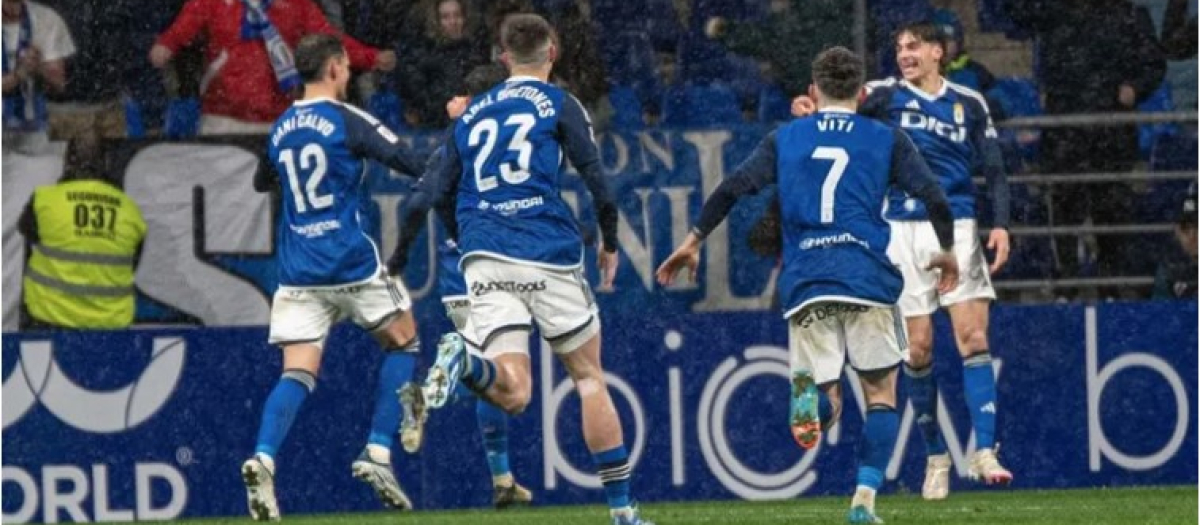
(969, 97)
(351, 112)
(881, 87)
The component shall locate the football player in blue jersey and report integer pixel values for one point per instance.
(837, 286)
(951, 127)
(493, 422)
(329, 268)
(522, 250)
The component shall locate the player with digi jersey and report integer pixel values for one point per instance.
(522, 250)
(951, 127)
(329, 268)
(839, 290)
(493, 422)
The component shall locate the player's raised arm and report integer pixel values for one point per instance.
(752, 175)
(575, 128)
(912, 174)
(368, 137)
(434, 190)
(991, 166)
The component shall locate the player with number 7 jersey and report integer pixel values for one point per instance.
(837, 286)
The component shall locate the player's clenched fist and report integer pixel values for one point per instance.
(803, 106)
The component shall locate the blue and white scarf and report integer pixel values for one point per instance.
(255, 24)
(25, 108)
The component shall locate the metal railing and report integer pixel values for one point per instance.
(1082, 230)
(1098, 119)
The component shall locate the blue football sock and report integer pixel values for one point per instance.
(481, 373)
(879, 438)
(493, 426)
(979, 388)
(397, 369)
(824, 410)
(281, 408)
(922, 391)
(614, 473)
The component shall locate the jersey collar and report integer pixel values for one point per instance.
(311, 101)
(941, 92)
(523, 78)
(835, 109)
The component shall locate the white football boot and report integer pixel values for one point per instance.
(937, 477)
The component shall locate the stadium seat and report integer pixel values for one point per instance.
(135, 127)
(1149, 134)
(183, 118)
(627, 108)
(388, 108)
(773, 105)
(994, 19)
(1018, 97)
(1174, 152)
(700, 105)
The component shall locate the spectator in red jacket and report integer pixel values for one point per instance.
(245, 87)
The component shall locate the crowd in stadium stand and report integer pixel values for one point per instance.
(178, 68)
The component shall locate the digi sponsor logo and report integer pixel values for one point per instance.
(913, 120)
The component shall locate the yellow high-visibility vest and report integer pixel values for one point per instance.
(80, 274)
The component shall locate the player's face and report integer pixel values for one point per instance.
(451, 19)
(917, 59)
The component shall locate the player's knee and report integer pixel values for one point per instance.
(920, 351)
(920, 342)
(515, 402)
(972, 340)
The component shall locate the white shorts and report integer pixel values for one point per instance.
(822, 336)
(508, 296)
(304, 314)
(914, 244)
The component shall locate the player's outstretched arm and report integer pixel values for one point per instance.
(752, 175)
(367, 137)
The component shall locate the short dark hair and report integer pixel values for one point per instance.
(314, 52)
(526, 38)
(482, 78)
(924, 31)
(838, 73)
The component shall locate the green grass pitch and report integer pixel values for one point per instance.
(1151, 505)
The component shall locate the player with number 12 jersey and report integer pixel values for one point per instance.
(329, 268)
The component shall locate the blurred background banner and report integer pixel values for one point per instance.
(209, 252)
(152, 424)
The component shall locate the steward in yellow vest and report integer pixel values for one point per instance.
(84, 236)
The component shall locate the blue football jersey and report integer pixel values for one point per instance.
(316, 149)
(833, 170)
(954, 133)
(507, 160)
